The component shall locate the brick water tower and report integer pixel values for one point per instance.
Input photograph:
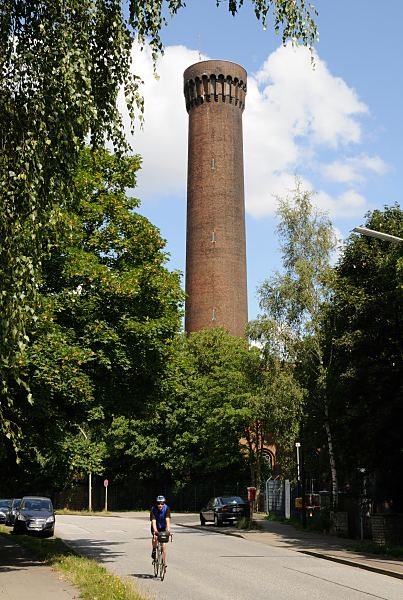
(215, 246)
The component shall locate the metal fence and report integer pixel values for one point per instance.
(274, 496)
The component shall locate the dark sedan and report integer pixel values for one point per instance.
(224, 509)
(35, 515)
(5, 504)
(10, 517)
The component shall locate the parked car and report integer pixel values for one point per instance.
(224, 509)
(35, 515)
(10, 517)
(5, 504)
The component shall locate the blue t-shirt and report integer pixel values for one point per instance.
(160, 516)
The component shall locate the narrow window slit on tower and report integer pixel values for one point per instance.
(213, 236)
(213, 317)
(212, 164)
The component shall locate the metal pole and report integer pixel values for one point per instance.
(106, 498)
(90, 492)
(298, 445)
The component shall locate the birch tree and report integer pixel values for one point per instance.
(292, 301)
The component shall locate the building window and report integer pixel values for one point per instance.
(213, 85)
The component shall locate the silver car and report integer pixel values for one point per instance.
(10, 517)
(35, 515)
(5, 504)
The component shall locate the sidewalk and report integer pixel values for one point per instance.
(35, 581)
(282, 535)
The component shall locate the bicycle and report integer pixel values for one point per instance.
(159, 561)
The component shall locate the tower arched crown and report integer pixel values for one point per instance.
(215, 81)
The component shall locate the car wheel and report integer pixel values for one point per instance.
(48, 534)
(217, 521)
(202, 520)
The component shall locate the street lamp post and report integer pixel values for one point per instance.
(298, 446)
(301, 484)
(378, 234)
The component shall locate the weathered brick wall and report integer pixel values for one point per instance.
(339, 523)
(387, 529)
(215, 247)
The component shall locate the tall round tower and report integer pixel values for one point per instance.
(215, 246)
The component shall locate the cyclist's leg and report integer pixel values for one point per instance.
(154, 543)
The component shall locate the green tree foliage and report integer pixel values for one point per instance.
(221, 405)
(272, 413)
(192, 431)
(366, 323)
(62, 64)
(109, 311)
(292, 302)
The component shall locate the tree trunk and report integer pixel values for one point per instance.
(332, 460)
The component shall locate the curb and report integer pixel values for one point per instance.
(351, 563)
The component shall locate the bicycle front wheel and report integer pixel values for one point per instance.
(163, 569)
(156, 563)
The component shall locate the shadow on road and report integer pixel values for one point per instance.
(100, 550)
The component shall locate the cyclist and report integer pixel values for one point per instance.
(160, 517)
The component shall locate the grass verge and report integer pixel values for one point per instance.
(84, 513)
(93, 580)
(247, 524)
(96, 513)
(279, 519)
(372, 548)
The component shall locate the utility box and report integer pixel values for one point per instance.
(251, 494)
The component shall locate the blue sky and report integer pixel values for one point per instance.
(338, 127)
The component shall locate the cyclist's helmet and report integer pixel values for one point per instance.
(160, 498)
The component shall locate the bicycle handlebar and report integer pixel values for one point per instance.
(155, 534)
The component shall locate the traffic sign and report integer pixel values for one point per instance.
(106, 482)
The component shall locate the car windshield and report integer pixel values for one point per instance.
(232, 500)
(36, 504)
(16, 503)
(4, 503)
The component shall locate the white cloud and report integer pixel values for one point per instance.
(309, 101)
(347, 204)
(355, 169)
(163, 141)
(292, 113)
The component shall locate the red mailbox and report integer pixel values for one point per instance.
(251, 494)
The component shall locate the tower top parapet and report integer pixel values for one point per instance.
(215, 81)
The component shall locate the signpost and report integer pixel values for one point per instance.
(106, 483)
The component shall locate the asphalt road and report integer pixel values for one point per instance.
(204, 565)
